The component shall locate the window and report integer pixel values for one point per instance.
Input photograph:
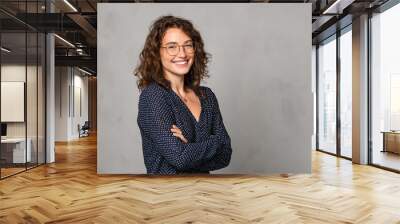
(385, 88)
(327, 96)
(346, 92)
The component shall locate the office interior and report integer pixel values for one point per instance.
(49, 91)
(30, 57)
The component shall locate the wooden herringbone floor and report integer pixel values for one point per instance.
(70, 191)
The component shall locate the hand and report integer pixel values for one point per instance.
(178, 133)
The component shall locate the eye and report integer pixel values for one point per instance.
(172, 47)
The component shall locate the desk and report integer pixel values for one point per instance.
(15, 148)
(391, 141)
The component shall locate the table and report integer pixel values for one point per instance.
(391, 141)
(13, 150)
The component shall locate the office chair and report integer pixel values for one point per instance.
(84, 130)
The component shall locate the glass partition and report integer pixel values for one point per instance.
(385, 89)
(13, 110)
(22, 77)
(327, 96)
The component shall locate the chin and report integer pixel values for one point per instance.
(180, 72)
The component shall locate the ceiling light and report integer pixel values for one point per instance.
(5, 50)
(64, 40)
(70, 5)
(84, 71)
(337, 7)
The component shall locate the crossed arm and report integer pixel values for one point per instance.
(223, 156)
(155, 120)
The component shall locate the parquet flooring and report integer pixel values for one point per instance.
(70, 191)
(10, 171)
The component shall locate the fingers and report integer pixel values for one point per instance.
(180, 136)
(178, 133)
(176, 129)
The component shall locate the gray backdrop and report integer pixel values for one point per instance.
(260, 73)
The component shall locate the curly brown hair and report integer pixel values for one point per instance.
(150, 68)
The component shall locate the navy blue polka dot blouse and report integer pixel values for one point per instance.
(208, 147)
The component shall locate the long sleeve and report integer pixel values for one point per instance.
(155, 120)
(224, 152)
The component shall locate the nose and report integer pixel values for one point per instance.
(181, 52)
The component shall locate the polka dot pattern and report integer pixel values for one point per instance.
(208, 146)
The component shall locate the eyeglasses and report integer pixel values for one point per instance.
(173, 49)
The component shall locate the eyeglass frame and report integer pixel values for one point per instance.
(179, 49)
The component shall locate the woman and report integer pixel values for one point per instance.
(180, 121)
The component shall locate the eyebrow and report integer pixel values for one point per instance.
(173, 42)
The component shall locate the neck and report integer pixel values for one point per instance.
(177, 82)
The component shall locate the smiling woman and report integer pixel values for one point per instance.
(180, 121)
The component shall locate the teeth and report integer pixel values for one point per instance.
(180, 62)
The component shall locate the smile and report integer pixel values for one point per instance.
(184, 62)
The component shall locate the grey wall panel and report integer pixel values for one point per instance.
(260, 72)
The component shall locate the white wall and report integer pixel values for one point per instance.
(15, 72)
(62, 81)
(67, 117)
(80, 83)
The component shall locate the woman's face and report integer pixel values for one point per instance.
(176, 52)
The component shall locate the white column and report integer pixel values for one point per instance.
(314, 91)
(360, 90)
(50, 92)
(50, 110)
